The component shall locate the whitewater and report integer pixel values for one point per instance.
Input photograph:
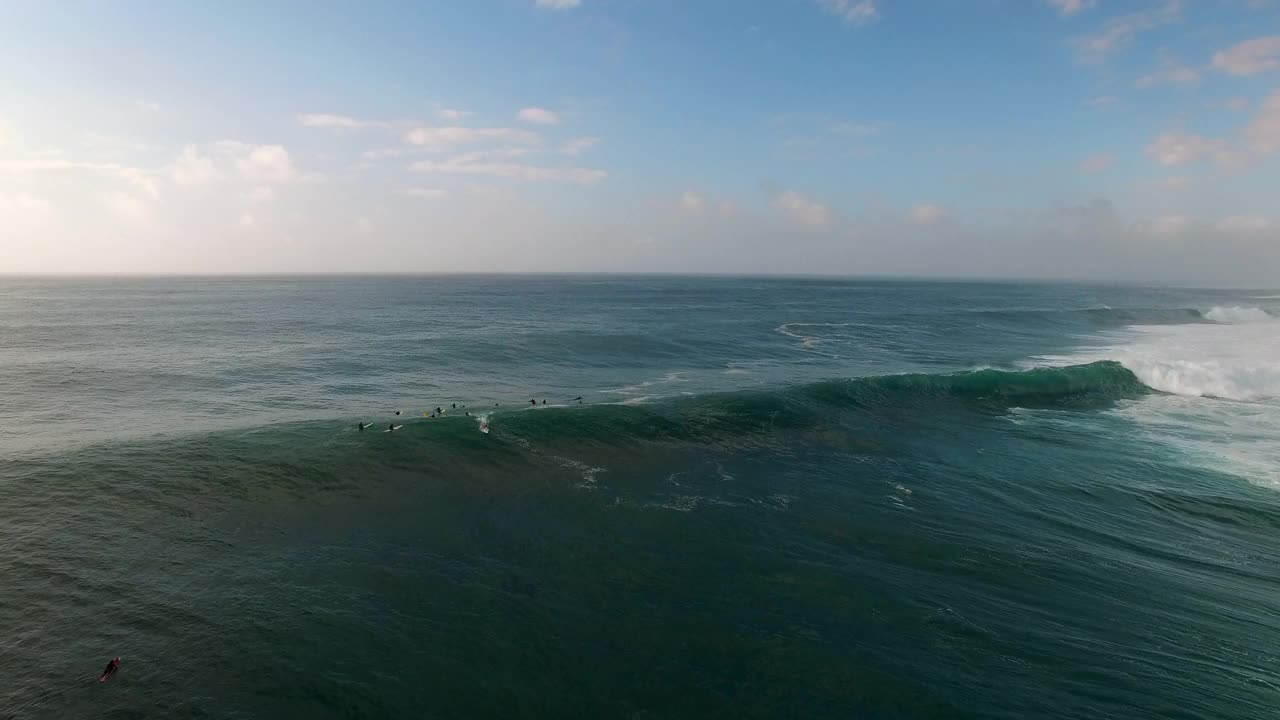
(1219, 385)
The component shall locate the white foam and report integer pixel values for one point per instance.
(1237, 315)
(1235, 362)
(1241, 438)
(1222, 383)
(1232, 362)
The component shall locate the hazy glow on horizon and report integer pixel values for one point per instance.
(1101, 139)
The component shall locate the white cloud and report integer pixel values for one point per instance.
(261, 194)
(1067, 8)
(384, 153)
(557, 4)
(113, 143)
(926, 214)
(692, 201)
(1250, 57)
(338, 122)
(192, 167)
(1169, 224)
(138, 177)
(1169, 72)
(258, 164)
(1236, 104)
(266, 164)
(501, 153)
(452, 114)
(538, 116)
(247, 222)
(1120, 31)
(24, 203)
(577, 146)
(23, 212)
(853, 12)
(364, 225)
(803, 210)
(147, 105)
(1173, 148)
(1175, 182)
(1260, 137)
(125, 205)
(444, 138)
(427, 193)
(1241, 224)
(1263, 133)
(1096, 163)
(1099, 101)
(476, 164)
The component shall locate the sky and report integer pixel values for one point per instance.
(1111, 140)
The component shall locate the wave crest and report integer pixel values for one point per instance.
(1237, 315)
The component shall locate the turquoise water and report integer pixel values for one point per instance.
(778, 498)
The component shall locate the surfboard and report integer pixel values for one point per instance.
(393, 428)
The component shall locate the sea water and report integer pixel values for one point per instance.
(777, 498)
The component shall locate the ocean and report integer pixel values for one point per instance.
(799, 498)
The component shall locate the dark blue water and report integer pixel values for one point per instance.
(777, 498)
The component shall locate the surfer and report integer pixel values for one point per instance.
(110, 670)
(397, 412)
(533, 403)
(362, 425)
(544, 402)
(577, 399)
(393, 427)
(455, 406)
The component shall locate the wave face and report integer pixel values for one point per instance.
(726, 417)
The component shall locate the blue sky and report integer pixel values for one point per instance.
(1103, 139)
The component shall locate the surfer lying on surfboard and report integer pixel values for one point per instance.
(111, 670)
(393, 428)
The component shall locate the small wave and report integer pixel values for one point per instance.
(1237, 315)
(1104, 317)
(808, 342)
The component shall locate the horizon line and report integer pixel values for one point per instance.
(955, 279)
